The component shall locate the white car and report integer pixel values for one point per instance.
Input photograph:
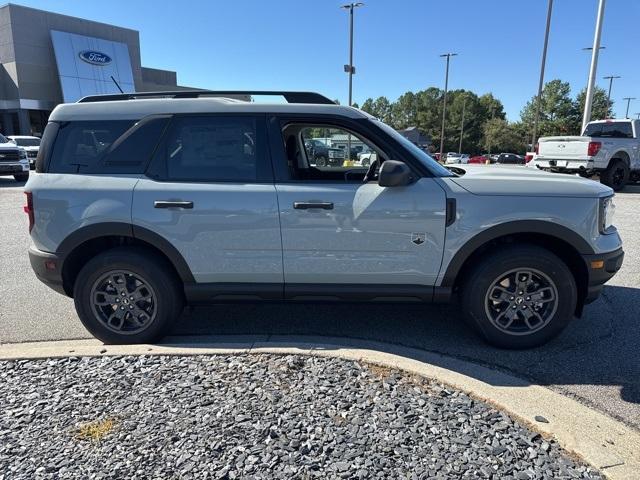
(457, 158)
(29, 144)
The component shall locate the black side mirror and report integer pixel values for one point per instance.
(394, 174)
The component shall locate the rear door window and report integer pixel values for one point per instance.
(213, 148)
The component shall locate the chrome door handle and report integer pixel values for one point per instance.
(172, 204)
(308, 205)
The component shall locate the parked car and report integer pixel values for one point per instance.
(478, 159)
(457, 158)
(30, 144)
(607, 148)
(323, 155)
(510, 159)
(172, 203)
(13, 160)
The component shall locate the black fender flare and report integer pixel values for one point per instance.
(121, 229)
(520, 227)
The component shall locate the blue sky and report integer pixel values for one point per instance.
(303, 44)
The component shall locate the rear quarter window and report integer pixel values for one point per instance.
(105, 147)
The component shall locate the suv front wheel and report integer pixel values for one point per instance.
(127, 295)
(520, 296)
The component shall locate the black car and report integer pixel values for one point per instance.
(511, 159)
(323, 155)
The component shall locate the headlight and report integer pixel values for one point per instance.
(607, 209)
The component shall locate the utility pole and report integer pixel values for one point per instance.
(444, 101)
(628, 99)
(464, 104)
(594, 66)
(611, 78)
(541, 82)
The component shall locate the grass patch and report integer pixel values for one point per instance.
(96, 430)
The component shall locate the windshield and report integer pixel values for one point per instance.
(28, 142)
(424, 158)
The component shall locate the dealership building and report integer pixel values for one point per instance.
(48, 58)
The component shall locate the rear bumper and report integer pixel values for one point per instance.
(598, 275)
(48, 268)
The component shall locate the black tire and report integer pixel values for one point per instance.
(616, 175)
(21, 177)
(321, 161)
(165, 295)
(479, 304)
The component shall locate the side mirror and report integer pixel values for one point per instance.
(394, 174)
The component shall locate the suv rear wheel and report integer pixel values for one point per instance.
(126, 295)
(520, 297)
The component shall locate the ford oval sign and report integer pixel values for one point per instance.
(95, 58)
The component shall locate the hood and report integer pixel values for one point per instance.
(9, 146)
(523, 181)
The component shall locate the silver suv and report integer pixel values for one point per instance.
(144, 202)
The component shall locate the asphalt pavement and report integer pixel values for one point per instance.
(596, 359)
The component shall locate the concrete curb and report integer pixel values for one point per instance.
(605, 443)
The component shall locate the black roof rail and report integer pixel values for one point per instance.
(290, 97)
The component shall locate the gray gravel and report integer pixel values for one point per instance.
(258, 416)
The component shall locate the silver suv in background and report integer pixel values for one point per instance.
(13, 160)
(141, 203)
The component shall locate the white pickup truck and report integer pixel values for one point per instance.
(607, 148)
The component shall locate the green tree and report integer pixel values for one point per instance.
(501, 136)
(379, 108)
(599, 108)
(557, 110)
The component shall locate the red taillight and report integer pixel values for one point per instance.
(528, 158)
(537, 148)
(28, 209)
(593, 148)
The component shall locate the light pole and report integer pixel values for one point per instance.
(628, 99)
(611, 78)
(464, 104)
(542, 65)
(444, 100)
(637, 115)
(350, 69)
(594, 66)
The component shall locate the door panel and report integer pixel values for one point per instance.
(371, 235)
(230, 233)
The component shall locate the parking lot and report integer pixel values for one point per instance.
(595, 359)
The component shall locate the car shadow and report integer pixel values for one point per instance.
(601, 348)
(633, 188)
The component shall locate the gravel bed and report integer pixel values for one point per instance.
(255, 416)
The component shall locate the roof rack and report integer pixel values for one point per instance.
(290, 97)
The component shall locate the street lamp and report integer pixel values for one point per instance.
(444, 104)
(588, 101)
(628, 99)
(611, 78)
(464, 104)
(350, 69)
(541, 82)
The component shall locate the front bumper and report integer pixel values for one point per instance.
(601, 267)
(48, 268)
(13, 168)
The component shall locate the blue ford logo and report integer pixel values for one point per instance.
(95, 58)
